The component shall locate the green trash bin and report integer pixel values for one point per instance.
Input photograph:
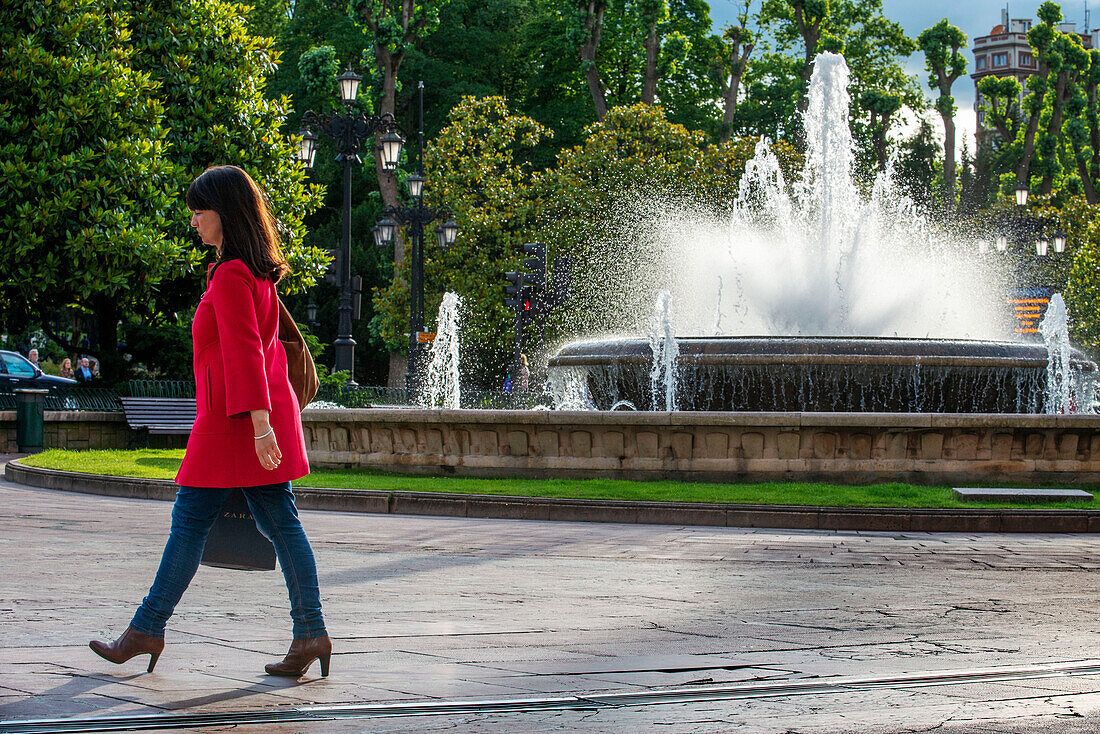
(30, 407)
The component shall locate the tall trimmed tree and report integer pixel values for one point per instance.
(942, 45)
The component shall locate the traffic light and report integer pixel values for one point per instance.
(534, 262)
(529, 304)
(513, 290)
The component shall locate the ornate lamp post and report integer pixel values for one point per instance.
(348, 131)
(1034, 271)
(414, 219)
(1024, 230)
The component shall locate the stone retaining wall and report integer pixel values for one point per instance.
(837, 447)
(71, 429)
(850, 448)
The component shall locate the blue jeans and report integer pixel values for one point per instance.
(193, 515)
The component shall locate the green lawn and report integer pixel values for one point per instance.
(163, 463)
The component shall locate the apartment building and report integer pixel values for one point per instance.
(1006, 52)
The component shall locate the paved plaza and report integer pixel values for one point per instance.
(449, 611)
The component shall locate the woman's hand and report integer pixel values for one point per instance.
(267, 447)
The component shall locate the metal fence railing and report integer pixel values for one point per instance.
(366, 396)
(69, 398)
(160, 389)
(361, 396)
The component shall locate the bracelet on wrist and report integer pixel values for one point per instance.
(264, 435)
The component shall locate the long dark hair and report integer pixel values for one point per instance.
(249, 232)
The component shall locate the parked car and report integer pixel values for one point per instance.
(18, 371)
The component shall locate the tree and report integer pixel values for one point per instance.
(390, 29)
(916, 167)
(84, 182)
(652, 14)
(211, 74)
(589, 16)
(1078, 219)
(882, 107)
(945, 63)
(1041, 38)
(205, 76)
(738, 43)
(1066, 60)
(478, 168)
(1083, 128)
(1000, 100)
(600, 198)
(795, 32)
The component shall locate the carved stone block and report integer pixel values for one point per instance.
(381, 440)
(1067, 445)
(648, 444)
(931, 446)
(517, 443)
(1033, 446)
(859, 446)
(965, 446)
(824, 445)
(612, 445)
(547, 443)
(788, 445)
(582, 444)
(681, 444)
(1001, 447)
(752, 444)
(487, 442)
(717, 445)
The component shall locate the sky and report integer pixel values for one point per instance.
(974, 17)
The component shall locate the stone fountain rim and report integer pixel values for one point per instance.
(636, 350)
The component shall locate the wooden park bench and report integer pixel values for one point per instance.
(159, 416)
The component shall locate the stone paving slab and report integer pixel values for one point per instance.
(455, 608)
(1020, 494)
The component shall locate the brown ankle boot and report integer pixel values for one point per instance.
(130, 644)
(302, 653)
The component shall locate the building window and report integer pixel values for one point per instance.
(1026, 59)
(1000, 60)
(981, 63)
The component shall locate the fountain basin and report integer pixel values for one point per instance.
(845, 448)
(820, 374)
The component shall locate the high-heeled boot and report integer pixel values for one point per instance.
(130, 644)
(303, 651)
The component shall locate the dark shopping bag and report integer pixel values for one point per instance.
(235, 541)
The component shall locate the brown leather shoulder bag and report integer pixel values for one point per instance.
(299, 362)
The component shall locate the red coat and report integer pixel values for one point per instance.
(240, 366)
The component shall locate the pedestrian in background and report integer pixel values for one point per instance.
(524, 373)
(248, 430)
(66, 368)
(32, 356)
(84, 373)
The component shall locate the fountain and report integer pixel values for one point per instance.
(666, 355)
(1069, 388)
(848, 293)
(442, 385)
(855, 343)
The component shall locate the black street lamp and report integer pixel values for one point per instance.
(347, 130)
(1025, 230)
(1036, 273)
(415, 218)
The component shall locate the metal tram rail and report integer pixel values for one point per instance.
(578, 702)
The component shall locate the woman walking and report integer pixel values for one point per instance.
(247, 432)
